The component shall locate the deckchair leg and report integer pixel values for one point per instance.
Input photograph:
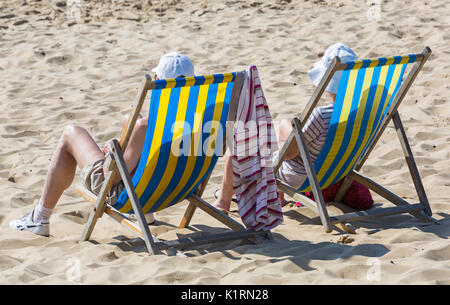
(423, 215)
(89, 227)
(304, 153)
(99, 205)
(388, 195)
(214, 212)
(118, 156)
(346, 183)
(411, 163)
(190, 210)
(187, 217)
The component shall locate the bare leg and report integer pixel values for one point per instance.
(283, 134)
(281, 195)
(286, 128)
(75, 147)
(226, 190)
(125, 120)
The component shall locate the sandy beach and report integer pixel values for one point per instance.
(81, 62)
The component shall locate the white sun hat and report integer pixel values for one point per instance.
(337, 49)
(173, 65)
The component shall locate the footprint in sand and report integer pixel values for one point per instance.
(79, 217)
(60, 60)
(26, 133)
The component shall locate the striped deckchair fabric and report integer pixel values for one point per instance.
(369, 94)
(188, 112)
(366, 90)
(185, 136)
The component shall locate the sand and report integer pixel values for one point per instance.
(60, 66)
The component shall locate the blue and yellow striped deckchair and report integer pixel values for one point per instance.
(368, 96)
(185, 137)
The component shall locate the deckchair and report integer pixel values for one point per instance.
(369, 94)
(184, 138)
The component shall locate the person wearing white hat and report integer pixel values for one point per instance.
(292, 170)
(174, 65)
(76, 147)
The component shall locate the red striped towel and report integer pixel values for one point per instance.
(254, 142)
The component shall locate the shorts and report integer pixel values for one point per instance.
(291, 173)
(92, 176)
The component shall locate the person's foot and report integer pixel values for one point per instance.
(221, 205)
(26, 223)
(218, 196)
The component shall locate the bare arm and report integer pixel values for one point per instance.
(284, 130)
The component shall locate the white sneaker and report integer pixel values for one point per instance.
(149, 218)
(26, 223)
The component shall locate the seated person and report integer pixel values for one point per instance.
(77, 147)
(292, 170)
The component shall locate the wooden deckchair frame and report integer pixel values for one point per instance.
(420, 210)
(117, 164)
